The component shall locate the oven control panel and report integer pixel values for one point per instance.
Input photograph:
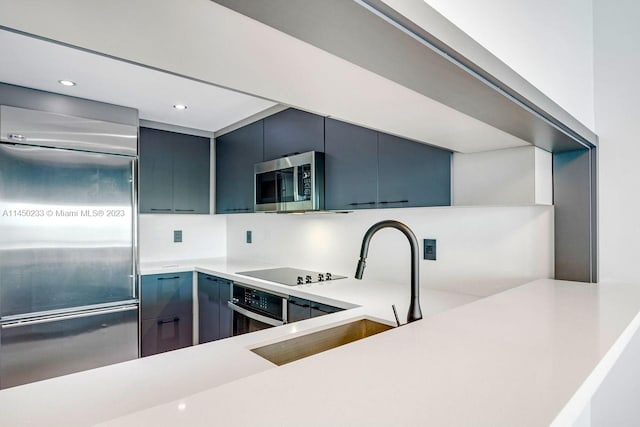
(258, 301)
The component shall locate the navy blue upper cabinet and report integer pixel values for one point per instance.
(351, 166)
(174, 172)
(292, 131)
(236, 153)
(191, 175)
(156, 172)
(412, 174)
(363, 168)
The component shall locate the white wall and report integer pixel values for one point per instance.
(513, 176)
(203, 236)
(548, 42)
(480, 250)
(617, 68)
(544, 176)
(617, 91)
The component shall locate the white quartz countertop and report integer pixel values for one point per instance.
(97, 395)
(530, 356)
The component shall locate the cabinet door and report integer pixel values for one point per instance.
(298, 309)
(191, 164)
(292, 131)
(166, 334)
(226, 325)
(351, 166)
(208, 308)
(236, 154)
(412, 174)
(156, 171)
(318, 309)
(214, 315)
(165, 295)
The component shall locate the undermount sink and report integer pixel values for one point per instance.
(287, 351)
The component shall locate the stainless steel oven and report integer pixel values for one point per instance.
(255, 309)
(289, 184)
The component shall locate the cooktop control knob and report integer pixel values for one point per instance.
(320, 277)
(299, 280)
(307, 279)
(328, 276)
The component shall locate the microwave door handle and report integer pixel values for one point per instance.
(296, 195)
(277, 182)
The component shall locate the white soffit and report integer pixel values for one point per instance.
(203, 40)
(38, 64)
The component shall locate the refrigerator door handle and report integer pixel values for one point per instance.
(58, 318)
(134, 229)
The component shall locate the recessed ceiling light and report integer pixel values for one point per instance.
(66, 83)
(180, 107)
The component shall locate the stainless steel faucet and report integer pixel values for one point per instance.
(414, 307)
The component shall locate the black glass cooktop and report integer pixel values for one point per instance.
(291, 276)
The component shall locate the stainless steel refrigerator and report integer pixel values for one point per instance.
(68, 297)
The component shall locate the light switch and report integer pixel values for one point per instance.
(177, 236)
(430, 249)
(249, 238)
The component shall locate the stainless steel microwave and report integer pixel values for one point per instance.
(290, 184)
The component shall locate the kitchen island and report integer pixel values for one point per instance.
(530, 356)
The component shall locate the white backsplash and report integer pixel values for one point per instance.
(203, 236)
(480, 250)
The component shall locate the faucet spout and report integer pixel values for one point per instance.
(414, 307)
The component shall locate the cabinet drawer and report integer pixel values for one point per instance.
(166, 294)
(298, 309)
(318, 309)
(165, 334)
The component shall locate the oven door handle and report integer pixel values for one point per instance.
(254, 316)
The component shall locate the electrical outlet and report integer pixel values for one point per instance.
(177, 236)
(430, 249)
(249, 239)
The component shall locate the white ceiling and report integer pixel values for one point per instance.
(34, 63)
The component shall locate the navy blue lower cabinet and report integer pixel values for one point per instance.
(226, 325)
(318, 309)
(298, 309)
(301, 309)
(166, 312)
(166, 294)
(166, 334)
(214, 315)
